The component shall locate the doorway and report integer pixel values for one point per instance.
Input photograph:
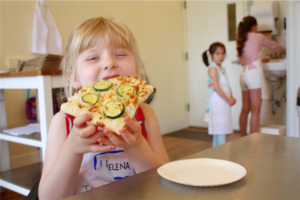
(207, 22)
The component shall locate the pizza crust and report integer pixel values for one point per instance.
(75, 106)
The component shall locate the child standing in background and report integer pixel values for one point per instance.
(221, 99)
(253, 83)
(98, 49)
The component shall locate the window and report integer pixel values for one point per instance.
(231, 18)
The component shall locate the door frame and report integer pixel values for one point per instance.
(293, 72)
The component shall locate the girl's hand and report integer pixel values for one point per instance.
(265, 60)
(234, 101)
(283, 50)
(129, 137)
(83, 136)
(231, 101)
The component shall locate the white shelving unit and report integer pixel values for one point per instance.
(43, 81)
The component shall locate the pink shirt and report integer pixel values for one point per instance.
(253, 46)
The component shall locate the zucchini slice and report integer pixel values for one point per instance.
(126, 90)
(113, 109)
(90, 98)
(102, 85)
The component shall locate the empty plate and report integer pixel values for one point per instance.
(203, 172)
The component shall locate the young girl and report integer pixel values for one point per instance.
(99, 48)
(218, 109)
(253, 84)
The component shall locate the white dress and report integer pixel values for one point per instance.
(220, 121)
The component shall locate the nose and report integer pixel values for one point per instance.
(109, 63)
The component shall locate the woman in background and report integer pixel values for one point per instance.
(253, 84)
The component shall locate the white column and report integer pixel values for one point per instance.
(293, 67)
(45, 108)
(4, 150)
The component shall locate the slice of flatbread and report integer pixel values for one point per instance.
(109, 101)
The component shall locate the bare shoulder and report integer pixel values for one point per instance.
(150, 115)
(147, 109)
(57, 133)
(151, 120)
(58, 117)
(58, 120)
(154, 137)
(213, 72)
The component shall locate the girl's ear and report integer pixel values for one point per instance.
(210, 56)
(75, 83)
(254, 28)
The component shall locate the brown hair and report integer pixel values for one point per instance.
(243, 29)
(94, 31)
(212, 49)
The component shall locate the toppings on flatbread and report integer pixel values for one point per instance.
(90, 98)
(109, 101)
(102, 85)
(126, 90)
(113, 109)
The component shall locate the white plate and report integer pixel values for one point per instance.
(203, 172)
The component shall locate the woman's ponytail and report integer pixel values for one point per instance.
(244, 28)
(205, 58)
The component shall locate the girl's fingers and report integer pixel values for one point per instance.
(112, 137)
(98, 148)
(88, 131)
(81, 120)
(127, 136)
(104, 140)
(133, 125)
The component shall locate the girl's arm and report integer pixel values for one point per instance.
(151, 151)
(144, 154)
(60, 168)
(64, 155)
(213, 74)
(231, 96)
(266, 42)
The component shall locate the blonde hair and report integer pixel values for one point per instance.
(95, 31)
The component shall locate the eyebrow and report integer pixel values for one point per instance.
(88, 51)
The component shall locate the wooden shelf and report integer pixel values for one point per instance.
(22, 179)
(31, 140)
(31, 73)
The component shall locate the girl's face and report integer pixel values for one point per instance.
(218, 56)
(100, 62)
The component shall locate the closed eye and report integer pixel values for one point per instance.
(121, 54)
(92, 58)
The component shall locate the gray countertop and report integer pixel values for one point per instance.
(273, 172)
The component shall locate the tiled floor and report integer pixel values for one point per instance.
(178, 145)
